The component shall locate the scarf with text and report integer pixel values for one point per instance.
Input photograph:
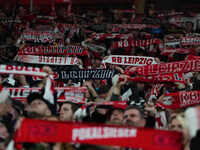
(180, 100)
(34, 131)
(53, 50)
(90, 74)
(161, 78)
(48, 60)
(103, 36)
(168, 14)
(116, 27)
(39, 37)
(170, 51)
(134, 43)
(129, 60)
(68, 92)
(10, 20)
(187, 41)
(23, 70)
(165, 68)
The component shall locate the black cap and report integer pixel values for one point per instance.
(35, 95)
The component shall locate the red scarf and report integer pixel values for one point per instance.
(165, 68)
(47, 131)
(180, 99)
(53, 50)
(161, 78)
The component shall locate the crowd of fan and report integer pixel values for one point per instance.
(141, 111)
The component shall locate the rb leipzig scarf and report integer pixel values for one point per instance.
(161, 78)
(34, 131)
(90, 74)
(53, 50)
(129, 60)
(134, 43)
(165, 68)
(48, 60)
(23, 70)
(180, 100)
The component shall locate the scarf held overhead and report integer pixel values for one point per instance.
(47, 131)
(67, 92)
(23, 70)
(86, 74)
(180, 100)
(50, 60)
(129, 60)
(165, 68)
(53, 50)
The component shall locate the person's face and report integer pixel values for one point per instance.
(40, 107)
(12, 111)
(103, 95)
(132, 117)
(3, 131)
(66, 113)
(176, 126)
(116, 116)
(140, 86)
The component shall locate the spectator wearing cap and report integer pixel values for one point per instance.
(39, 106)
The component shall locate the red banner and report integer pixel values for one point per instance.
(47, 131)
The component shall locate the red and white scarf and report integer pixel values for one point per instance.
(49, 60)
(132, 26)
(103, 36)
(161, 78)
(170, 51)
(23, 70)
(34, 131)
(129, 60)
(186, 41)
(180, 100)
(41, 37)
(165, 68)
(53, 50)
(160, 15)
(134, 43)
(63, 93)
